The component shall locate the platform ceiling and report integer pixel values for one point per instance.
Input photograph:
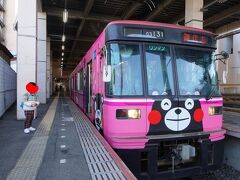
(87, 18)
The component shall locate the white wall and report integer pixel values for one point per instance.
(10, 35)
(26, 48)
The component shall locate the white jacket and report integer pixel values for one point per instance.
(30, 102)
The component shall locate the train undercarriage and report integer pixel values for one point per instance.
(174, 158)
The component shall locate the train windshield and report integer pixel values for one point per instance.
(125, 60)
(196, 72)
(159, 70)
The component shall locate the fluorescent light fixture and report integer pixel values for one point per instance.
(62, 53)
(62, 59)
(63, 38)
(63, 47)
(65, 15)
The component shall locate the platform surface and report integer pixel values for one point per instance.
(231, 122)
(64, 146)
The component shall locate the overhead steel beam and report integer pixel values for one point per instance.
(68, 51)
(73, 14)
(71, 64)
(235, 17)
(87, 9)
(131, 10)
(158, 9)
(222, 15)
(58, 37)
(230, 12)
(178, 19)
(95, 28)
(58, 58)
(60, 24)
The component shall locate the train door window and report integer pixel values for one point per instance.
(89, 87)
(75, 82)
(78, 81)
(159, 70)
(81, 79)
(126, 70)
(72, 83)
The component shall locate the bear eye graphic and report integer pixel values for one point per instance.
(189, 103)
(166, 104)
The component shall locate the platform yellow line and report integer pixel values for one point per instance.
(29, 162)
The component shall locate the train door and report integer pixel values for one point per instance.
(160, 88)
(89, 89)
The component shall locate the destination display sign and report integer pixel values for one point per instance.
(158, 48)
(144, 33)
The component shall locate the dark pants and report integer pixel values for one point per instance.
(29, 117)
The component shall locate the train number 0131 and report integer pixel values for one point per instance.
(153, 33)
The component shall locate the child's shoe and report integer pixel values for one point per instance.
(26, 131)
(32, 129)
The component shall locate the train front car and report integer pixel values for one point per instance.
(162, 108)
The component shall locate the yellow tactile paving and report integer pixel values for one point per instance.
(28, 164)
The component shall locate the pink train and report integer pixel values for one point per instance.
(151, 89)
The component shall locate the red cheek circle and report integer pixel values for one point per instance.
(198, 115)
(154, 117)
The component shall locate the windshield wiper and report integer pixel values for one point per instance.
(210, 93)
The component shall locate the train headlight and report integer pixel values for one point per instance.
(128, 113)
(214, 110)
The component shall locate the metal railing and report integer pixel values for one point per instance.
(230, 89)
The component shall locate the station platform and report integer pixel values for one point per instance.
(231, 121)
(64, 146)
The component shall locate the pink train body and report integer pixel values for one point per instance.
(198, 125)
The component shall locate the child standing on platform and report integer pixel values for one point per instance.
(30, 103)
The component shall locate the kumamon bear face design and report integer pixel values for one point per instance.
(178, 118)
(175, 116)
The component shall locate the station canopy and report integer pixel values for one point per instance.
(87, 18)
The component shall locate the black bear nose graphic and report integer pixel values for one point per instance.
(178, 111)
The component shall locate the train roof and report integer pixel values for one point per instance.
(148, 23)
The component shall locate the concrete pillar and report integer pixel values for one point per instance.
(42, 56)
(51, 75)
(48, 67)
(235, 69)
(26, 49)
(193, 15)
